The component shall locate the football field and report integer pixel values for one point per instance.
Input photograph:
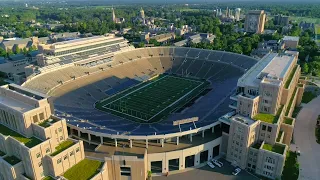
(153, 100)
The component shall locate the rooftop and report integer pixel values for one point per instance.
(47, 123)
(290, 77)
(85, 169)
(291, 38)
(242, 119)
(29, 142)
(63, 146)
(274, 148)
(250, 78)
(269, 118)
(12, 160)
(288, 120)
(279, 66)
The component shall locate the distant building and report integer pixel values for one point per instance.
(255, 21)
(53, 26)
(237, 14)
(291, 42)
(142, 13)
(307, 26)
(267, 47)
(115, 19)
(195, 39)
(281, 20)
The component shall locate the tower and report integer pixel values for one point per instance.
(142, 13)
(227, 12)
(113, 15)
(237, 14)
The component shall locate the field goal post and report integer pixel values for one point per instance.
(186, 121)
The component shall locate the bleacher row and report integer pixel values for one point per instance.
(75, 99)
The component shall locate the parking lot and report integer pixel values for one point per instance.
(206, 173)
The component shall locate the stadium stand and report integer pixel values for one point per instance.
(77, 88)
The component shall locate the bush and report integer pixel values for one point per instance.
(291, 167)
(317, 133)
(308, 96)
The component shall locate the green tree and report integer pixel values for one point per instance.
(17, 50)
(305, 68)
(3, 52)
(236, 48)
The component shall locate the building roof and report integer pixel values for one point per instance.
(2, 60)
(17, 57)
(291, 38)
(15, 104)
(272, 65)
(279, 66)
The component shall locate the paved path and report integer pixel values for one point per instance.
(304, 139)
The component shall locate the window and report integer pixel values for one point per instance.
(78, 149)
(59, 161)
(38, 155)
(40, 164)
(249, 165)
(125, 171)
(35, 119)
(264, 127)
(61, 138)
(65, 157)
(41, 116)
(269, 129)
(48, 150)
(71, 153)
(265, 101)
(253, 166)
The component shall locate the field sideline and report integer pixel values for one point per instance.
(153, 100)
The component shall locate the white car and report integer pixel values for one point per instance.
(217, 163)
(210, 164)
(236, 171)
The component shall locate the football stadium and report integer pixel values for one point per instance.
(156, 108)
(143, 91)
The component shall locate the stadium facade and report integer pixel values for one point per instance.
(243, 114)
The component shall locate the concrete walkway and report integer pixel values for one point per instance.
(305, 141)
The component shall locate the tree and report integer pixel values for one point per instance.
(154, 42)
(3, 52)
(305, 68)
(236, 48)
(17, 50)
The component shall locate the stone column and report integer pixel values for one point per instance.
(130, 143)
(147, 143)
(177, 140)
(101, 139)
(162, 142)
(115, 143)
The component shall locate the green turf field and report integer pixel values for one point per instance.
(153, 100)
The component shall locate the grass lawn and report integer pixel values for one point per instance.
(84, 170)
(151, 101)
(291, 167)
(291, 101)
(63, 146)
(307, 19)
(279, 136)
(257, 145)
(48, 178)
(44, 124)
(269, 118)
(288, 121)
(290, 77)
(296, 111)
(29, 142)
(274, 148)
(308, 96)
(12, 160)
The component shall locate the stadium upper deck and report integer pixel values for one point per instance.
(78, 88)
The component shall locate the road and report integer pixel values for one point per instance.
(305, 140)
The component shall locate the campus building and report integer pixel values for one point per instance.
(261, 127)
(255, 21)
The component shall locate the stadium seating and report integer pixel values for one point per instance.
(77, 88)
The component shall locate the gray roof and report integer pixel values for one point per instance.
(13, 42)
(17, 57)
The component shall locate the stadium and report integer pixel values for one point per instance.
(163, 100)
(155, 74)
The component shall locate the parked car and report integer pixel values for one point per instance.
(217, 163)
(210, 164)
(236, 171)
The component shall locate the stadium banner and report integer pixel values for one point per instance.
(185, 121)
